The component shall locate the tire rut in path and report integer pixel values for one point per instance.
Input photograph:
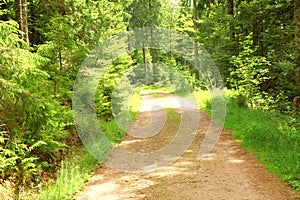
(228, 173)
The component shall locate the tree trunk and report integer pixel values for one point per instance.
(230, 11)
(195, 14)
(257, 29)
(129, 45)
(18, 10)
(152, 50)
(62, 7)
(21, 18)
(145, 64)
(153, 57)
(297, 38)
(196, 53)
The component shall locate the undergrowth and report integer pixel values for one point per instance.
(77, 167)
(272, 136)
(74, 172)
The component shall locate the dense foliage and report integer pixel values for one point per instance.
(254, 43)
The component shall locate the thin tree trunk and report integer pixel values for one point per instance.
(25, 21)
(18, 10)
(153, 56)
(196, 53)
(297, 38)
(152, 50)
(62, 12)
(255, 30)
(21, 18)
(129, 45)
(145, 64)
(230, 11)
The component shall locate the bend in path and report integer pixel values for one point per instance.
(228, 172)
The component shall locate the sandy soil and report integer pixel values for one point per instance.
(228, 173)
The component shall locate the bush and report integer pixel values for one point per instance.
(32, 120)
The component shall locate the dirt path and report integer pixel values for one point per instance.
(227, 173)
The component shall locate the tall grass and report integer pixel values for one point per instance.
(73, 173)
(272, 136)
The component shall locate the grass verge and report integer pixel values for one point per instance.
(273, 137)
(73, 173)
(77, 167)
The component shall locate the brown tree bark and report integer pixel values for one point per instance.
(152, 50)
(196, 53)
(21, 18)
(145, 64)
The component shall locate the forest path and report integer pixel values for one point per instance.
(228, 173)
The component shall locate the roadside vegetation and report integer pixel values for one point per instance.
(274, 137)
(78, 166)
(254, 44)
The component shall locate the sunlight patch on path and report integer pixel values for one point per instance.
(165, 100)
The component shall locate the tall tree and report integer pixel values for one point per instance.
(297, 38)
(145, 13)
(139, 12)
(195, 23)
(154, 7)
(21, 18)
(230, 11)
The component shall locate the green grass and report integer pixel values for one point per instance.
(74, 172)
(203, 97)
(156, 87)
(112, 131)
(273, 137)
(270, 138)
(135, 103)
(77, 168)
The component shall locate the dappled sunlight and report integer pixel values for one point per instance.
(161, 99)
(165, 100)
(189, 151)
(167, 171)
(236, 161)
(138, 182)
(184, 164)
(105, 188)
(128, 142)
(226, 172)
(209, 157)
